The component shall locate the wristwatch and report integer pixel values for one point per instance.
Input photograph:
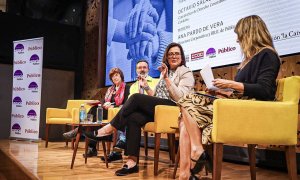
(146, 88)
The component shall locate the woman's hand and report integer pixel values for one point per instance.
(210, 92)
(107, 105)
(218, 93)
(228, 84)
(164, 70)
(94, 102)
(222, 83)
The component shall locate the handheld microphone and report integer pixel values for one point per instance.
(141, 89)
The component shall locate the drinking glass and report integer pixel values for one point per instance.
(89, 118)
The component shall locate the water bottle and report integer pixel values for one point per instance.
(99, 113)
(82, 113)
(141, 90)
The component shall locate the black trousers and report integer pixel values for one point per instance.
(135, 113)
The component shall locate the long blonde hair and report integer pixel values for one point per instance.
(253, 36)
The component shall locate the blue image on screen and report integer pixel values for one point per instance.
(137, 29)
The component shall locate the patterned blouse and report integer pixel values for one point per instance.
(161, 90)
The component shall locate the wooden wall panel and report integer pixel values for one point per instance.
(2, 5)
(90, 89)
(290, 66)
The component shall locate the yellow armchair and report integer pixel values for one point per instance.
(64, 116)
(165, 121)
(111, 114)
(258, 122)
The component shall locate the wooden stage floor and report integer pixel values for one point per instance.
(54, 163)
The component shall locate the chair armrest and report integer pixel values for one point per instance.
(75, 115)
(166, 117)
(247, 121)
(56, 113)
(112, 113)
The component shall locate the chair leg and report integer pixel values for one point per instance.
(290, 155)
(156, 152)
(209, 150)
(115, 137)
(217, 161)
(146, 143)
(73, 140)
(171, 145)
(105, 153)
(176, 163)
(252, 160)
(97, 146)
(47, 134)
(66, 130)
(108, 147)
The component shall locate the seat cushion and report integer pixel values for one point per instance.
(59, 120)
(149, 127)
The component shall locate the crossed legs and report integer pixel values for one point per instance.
(185, 152)
(190, 139)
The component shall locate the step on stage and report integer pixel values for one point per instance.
(29, 160)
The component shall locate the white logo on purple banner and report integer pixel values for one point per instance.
(32, 115)
(17, 101)
(18, 74)
(33, 87)
(34, 59)
(19, 49)
(16, 128)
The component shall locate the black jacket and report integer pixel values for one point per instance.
(259, 75)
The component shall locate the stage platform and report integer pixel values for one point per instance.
(29, 160)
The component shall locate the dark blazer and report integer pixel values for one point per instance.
(259, 75)
(126, 93)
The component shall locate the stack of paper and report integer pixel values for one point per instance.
(208, 77)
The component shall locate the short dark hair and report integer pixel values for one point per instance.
(165, 58)
(142, 60)
(114, 71)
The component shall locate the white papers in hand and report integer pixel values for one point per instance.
(208, 77)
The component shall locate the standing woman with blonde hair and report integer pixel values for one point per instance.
(255, 79)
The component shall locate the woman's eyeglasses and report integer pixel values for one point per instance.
(171, 54)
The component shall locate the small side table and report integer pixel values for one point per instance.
(88, 128)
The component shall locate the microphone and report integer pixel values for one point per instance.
(141, 89)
